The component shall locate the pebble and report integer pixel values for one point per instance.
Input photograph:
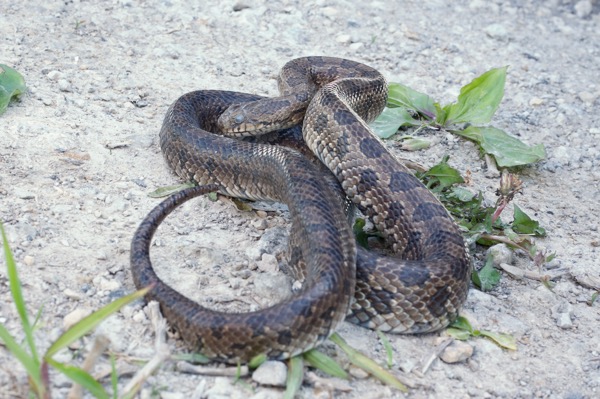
(562, 313)
(271, 372)
(456, 352)
(587, 97)
(64, 85)
(260, 224)
(496, 31)
(272, 287)
(225, 387)
(75, 316)
(583, 8)
(534, 102)
(268, 264)
(69, 293)
(358, 373)
(344, 39)
(501, 253)
(28, 260)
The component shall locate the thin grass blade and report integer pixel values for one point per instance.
(82, 378)
(294, 377)
(17, 295)
(22, 356)
(368, 365)
(89, 323)
(325, 363)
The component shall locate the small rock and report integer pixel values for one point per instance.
(28, 260)
(222, 388)
(69, 293)
(272, 373)
(108, 285)
(562, 313)
(272, 288)
(268, 263)
(344, 39)
(54, 75)
(75, 316)
(261, 214)
(64, 85)
(329, 11)
(501, 253)
(260, 224)
(239, 6)
(496, 31)
(356, 46)
(457, 351)
(583, 8)
(587, 97)
(534, 102)
(358, 373)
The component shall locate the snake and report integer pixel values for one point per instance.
(416, 284)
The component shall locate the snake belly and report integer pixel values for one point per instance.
(418, 288)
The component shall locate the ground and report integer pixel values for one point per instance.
(80, 155)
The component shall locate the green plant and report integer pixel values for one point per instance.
(475, 106)
(11, 84)
(27, 354)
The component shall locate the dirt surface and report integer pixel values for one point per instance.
(79, 156)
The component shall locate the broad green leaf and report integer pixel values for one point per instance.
(409, 143)
(362, 238)
(168, 190)
(507, 150)
(392, 119)
(11, 84)
(462, 323)
(478, 100)
(367, 364)
(81, 377)
(294, 377)
(487, 277)
(456, 333)
(462, 194)
(442, 175)
(321, 361)
(504, 340)
(525, 225)
(403, 96)
(17, 295)
(90, 322)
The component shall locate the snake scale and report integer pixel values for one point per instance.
(419, 287)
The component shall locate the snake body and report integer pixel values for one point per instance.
(418, 288)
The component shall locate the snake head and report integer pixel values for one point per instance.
(236, 120)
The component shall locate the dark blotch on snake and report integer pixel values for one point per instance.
(402, 181)
(371, 147)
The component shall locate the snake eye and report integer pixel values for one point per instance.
(239, 118)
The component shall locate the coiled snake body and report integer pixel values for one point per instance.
(419, 288)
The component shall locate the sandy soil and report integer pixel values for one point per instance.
(79, 155)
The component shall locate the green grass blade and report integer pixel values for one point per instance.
(82, 378)
(90, 322)
(324, 363)
(388, 348)
(114, 377)
(294, 377)
(17, 295)
(22, 356)
(370, 366)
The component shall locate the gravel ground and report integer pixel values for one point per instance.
(80, 155)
